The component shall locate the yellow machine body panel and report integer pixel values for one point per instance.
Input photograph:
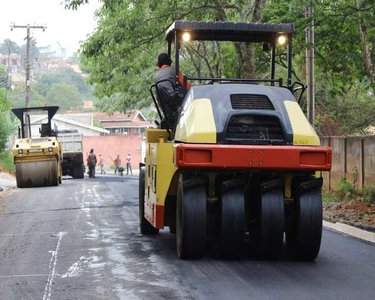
(303, 133)
(38, 161)
(160, 169)
(197, 124)
(31, 149)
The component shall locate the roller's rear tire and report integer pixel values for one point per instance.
(190, 221)
(232, 227)
(303, 238)
(269, 239)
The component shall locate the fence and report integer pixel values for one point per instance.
(353, 158)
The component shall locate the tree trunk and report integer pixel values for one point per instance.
(245, 51)
(366, 49)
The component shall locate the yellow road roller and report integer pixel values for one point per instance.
(234, 165)
(37, 152)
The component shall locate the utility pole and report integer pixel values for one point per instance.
(27, 65)
(310, 65)
(27, 62)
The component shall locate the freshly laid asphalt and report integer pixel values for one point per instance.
(8, 182)
(81, 240)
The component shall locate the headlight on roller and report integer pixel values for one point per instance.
(50, 149)
(20, 151)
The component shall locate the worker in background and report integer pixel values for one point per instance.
(92, 163)
(101, 164)
(117, 163)
(128, 164)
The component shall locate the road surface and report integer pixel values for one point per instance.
(81, 240)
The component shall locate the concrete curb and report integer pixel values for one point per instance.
(351, 231)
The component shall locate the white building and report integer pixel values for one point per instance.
(61, 123)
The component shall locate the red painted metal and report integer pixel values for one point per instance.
(159, 216)
(313, 158)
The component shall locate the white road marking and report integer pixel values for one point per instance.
(25, 275)
(52, 268)
(21, 234)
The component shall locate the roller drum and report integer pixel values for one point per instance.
(37, 174)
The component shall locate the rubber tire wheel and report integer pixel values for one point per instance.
(144, 225)
(304, 238)
(232, 227)
(270, 236)
(78, 171)
(190, 221)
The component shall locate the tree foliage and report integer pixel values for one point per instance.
(17, 97)
(8, 47)
(66, 75)
(5, 124)
(64, 95)
(120, 55)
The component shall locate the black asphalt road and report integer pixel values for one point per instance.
(81, 241)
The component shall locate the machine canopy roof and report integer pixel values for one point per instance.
(230, 31)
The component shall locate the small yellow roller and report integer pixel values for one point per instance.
(37, 158)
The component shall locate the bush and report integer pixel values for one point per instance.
(346, 191)
(368, 194)
(329, 196)
(6, 161)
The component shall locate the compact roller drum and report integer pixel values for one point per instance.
(36, 174)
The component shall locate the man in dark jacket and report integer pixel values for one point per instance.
(92, 163)
(166, 78)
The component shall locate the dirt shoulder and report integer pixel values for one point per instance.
(354, 213)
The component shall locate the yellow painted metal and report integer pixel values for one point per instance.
(154, 135)
(303, 132)
(197, 123)
(288, 186)
(160, 166)
(38, 161)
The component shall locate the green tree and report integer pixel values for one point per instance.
(120, 55)
(5, 125)
(64, 95)
(8, 46)
(5, 80)
(67, 75)
(17, 97)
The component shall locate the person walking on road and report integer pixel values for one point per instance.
(92, 163)
(128, 164)
(117, 163)
(101, 164)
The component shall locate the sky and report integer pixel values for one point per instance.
(67, 27)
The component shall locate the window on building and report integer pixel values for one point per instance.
(14, 62)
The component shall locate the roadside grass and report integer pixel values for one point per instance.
(6, 162)
(347, 192)
(368, 194)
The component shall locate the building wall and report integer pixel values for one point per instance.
(111, 145)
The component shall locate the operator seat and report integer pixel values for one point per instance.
(45, 130)
(168, 103)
